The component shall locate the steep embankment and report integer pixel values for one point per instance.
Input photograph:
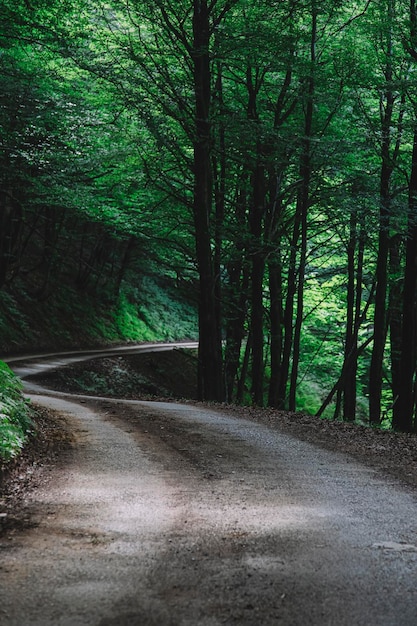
(154, 310)
(169, 374)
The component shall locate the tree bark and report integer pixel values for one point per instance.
(289, 311)
(210, 385)
(388, 158)
(403, 415)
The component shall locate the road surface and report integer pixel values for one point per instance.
(167, 514)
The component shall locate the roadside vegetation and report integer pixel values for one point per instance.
(15, 415)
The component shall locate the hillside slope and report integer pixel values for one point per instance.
(154, 309)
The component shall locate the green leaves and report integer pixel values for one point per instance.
(15, 414)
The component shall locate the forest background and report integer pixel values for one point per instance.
(254, 161)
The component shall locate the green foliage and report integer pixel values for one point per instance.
(15, 415)
(154, 312)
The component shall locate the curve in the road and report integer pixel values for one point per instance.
(175, 514)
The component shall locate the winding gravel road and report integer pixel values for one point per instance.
(169, 514)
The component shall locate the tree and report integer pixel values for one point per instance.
(210, 360)
(405, 405)
(391, 121)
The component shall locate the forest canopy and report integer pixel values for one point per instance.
(264, 153)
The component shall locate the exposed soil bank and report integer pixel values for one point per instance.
(171, 374)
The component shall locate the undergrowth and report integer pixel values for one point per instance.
(15, 415)
(146, 311)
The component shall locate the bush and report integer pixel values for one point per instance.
(15, 415)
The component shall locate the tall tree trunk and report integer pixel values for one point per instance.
(235, 328)
(210, 357)
(256, 217)
(274, 237)
(276, 313)
(349, 390)
(404, 403)
(380, 319)
(303, 205)
(403, 414)
(219, 167)
(300, 288)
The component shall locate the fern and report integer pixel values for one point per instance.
(15, 415)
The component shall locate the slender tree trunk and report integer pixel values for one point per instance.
(395, 314)
(210, 358)
(244, 370)
(258, 267)
(300, 292)
(256, 217)
(283, 110)
(349, 390)
(219, 167)
(303, 202)
(237, 295)
(404, 404)
(235, 333)
(353, 318)
(380, 319)
(276, 321)
(289, 310)
(275, 289)
(351, 386)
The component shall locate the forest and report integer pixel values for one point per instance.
(257, 158)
